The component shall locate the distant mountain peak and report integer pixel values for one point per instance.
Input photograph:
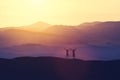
(38, 26)
(40, 23)
(99, 22)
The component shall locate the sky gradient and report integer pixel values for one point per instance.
(68, 12)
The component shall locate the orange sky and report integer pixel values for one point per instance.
(70, 12)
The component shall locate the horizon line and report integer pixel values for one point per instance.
(62, 24)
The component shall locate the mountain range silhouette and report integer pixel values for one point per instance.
(96, 40)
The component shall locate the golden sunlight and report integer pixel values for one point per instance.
(37, 2)
(66, 12)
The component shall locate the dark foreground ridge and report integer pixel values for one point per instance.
(51, 68)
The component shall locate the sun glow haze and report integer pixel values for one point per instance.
(24, 12)
(37, 1)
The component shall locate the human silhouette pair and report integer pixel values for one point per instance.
(73, 53)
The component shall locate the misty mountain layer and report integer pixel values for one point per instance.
(97, 40)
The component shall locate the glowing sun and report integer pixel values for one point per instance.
(38, 2)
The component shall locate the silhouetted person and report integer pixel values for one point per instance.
(74, 53)
(67, 53)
